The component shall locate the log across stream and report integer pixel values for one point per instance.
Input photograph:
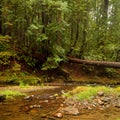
(95, 63)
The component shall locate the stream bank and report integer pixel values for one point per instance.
(46, 104)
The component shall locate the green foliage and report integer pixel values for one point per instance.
(23, 79)
(51, 63)
(110, 72)
(84, 29)
(5, 57)
(86, 92)
(16, 67)
(30, 61)
(117, 119)
(5, 53)
(11, 94)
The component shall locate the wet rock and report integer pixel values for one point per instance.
(70, 110)
(51, 118)
(33, 112)
(85, 103)
(35, 106)
(8, 114)
(58, 115)
(27, 98)
(117, 104)
(2, 98)
(45, 96)
(89, 108)
(43, 115)
(106, 99)
(69, 102)
(51, 97)
(100, 102)
(30, 97)
(26, 109)
(100, 93)
(45, 101)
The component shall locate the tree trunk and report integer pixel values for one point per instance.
(0, 20)
(95, 63)
(59, 19)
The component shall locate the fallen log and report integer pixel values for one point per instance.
(95, 63)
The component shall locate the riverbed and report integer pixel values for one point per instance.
(43, 104)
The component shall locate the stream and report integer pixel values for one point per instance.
(43, 105)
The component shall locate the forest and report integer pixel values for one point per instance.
(43, 33)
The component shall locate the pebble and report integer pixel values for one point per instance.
(35, 106)
(70, 110)
(117, 105)
(100, 102)
(58, 115)
(105, 99)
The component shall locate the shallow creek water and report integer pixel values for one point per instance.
(20, 109)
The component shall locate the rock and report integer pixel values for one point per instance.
(106, 99)
(85, 103)
(35, 106)
(69, 102)
(58, 115)
(70, 110)
(43, 115)
(46, 101)
(117, 104)
(89, 108)
(29, 97)
(8, 114)
(51, 118)
(2, 98)
(33, 112)
(100, 93)
(100, 102)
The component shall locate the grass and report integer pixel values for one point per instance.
(87, 92)
(10, 94)
(118, 119)
(118, 88)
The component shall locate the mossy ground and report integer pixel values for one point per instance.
(10, 94)
(87, 92)
(18, 74)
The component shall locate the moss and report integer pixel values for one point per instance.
(11, 94)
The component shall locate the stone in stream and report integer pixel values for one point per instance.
(43, 115)
(106, 99)
(70, 110)
(30, 97)
(100, 102)
(7, 114)
(2, 98)
(35, 106)
(117, 104)
(58, 115)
